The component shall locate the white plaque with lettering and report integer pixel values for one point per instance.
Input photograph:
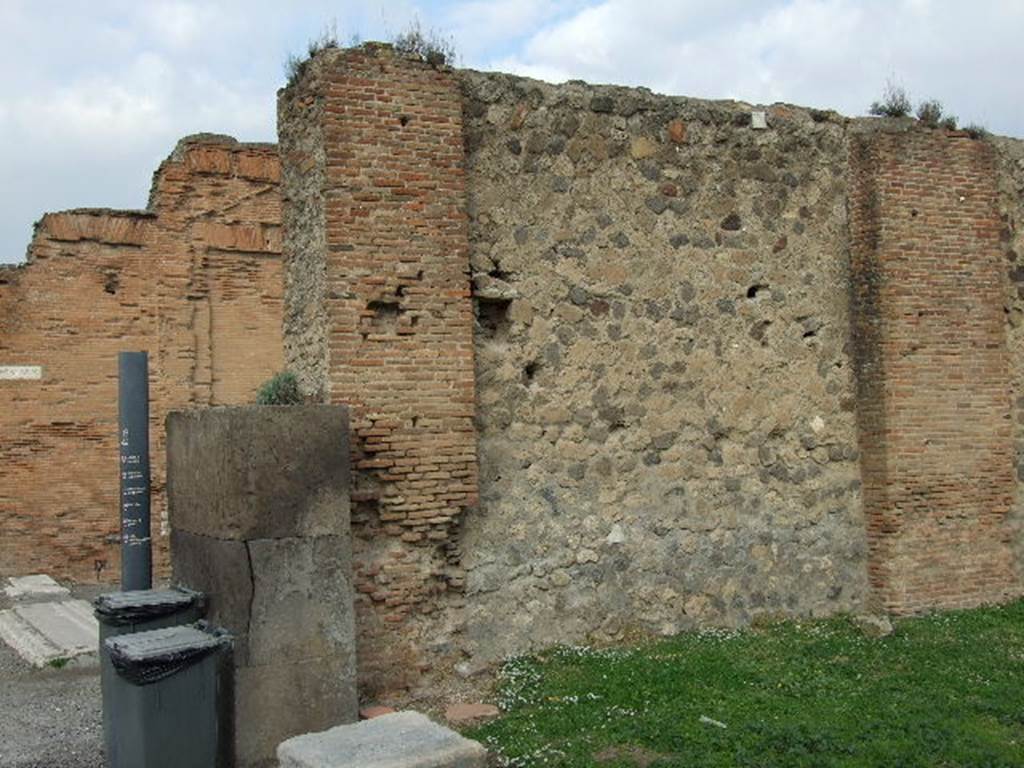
(21, 372)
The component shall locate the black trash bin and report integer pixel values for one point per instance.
(120, 613)
(141, 610)
(169, 698)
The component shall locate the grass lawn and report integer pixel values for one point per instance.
(944, 690)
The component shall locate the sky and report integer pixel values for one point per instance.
(96, 94)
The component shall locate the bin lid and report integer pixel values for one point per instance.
(138, 604)
(146, 657)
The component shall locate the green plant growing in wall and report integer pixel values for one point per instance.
(894, 102)
(281, 389)
(432, 47)
(295, 66)
(930, 113)
(976, 131)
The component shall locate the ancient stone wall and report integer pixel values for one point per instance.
(665, 391)
(617, 363)
(690, 316)
(195, 280)
(1010, 157)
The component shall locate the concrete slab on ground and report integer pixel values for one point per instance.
(36, 587)
(400, 740)
(45, 632)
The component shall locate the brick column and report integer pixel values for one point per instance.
(379, 316)
(932, 369)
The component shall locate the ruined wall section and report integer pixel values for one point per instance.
(306, 324)
(195, 280)
(1010, 157)
(85, 293)
(935, 429)
(400, 347)
(665, 392)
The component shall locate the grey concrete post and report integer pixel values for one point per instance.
(133, 442)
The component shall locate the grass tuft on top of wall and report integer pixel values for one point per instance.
(943, 690)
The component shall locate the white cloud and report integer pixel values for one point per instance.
(481, 26)
(826, 53)
(120, 81)
(180, 24)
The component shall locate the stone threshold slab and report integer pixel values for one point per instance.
(41, 633)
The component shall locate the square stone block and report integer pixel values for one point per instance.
(220, 569)
(276, 702)
(280, 598)
(259, 472)
(302, 599)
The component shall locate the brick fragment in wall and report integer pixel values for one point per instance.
(98, 282)
(388, 218)
(933, 370)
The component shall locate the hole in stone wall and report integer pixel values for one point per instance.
(385, 313)
(404, 119)
(492, 317)
(111, 282)
(754, 290)
(500, 274)
(530, 372)
(366, 513)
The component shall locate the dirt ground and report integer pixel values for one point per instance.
(52, 718)
(49, 718)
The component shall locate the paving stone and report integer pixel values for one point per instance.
(29, 644)
(35, 587)
(44, 632)
(69, 625)
(401, 740)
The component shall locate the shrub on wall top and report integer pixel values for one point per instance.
(894, 103)
(281, 389)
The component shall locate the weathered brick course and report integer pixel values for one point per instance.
(933, 367)
(399, 345)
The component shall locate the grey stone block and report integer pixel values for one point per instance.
(259, 472)
(220, 569)
(277, 702)
(401, 740)
(259, 513)
(280, 598)
(302, 605)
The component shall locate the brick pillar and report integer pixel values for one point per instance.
(932, 369)
(379, 316)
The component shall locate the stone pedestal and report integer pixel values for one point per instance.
(258, 499)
